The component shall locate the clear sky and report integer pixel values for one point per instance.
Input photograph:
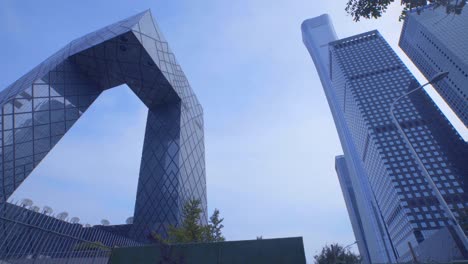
(270, 137)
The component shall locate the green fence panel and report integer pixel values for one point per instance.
(263, 251)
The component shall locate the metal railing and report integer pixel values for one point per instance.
(28, 236)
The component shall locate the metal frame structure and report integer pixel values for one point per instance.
(38, 109)
(30, 235)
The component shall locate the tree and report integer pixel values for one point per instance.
(214, 228)
(375, 8)
(191, 230)
(335, 254)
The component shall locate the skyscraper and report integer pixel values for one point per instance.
(37, 110)
(437, 42)
(349, 195)
(361, 76)
(375, 244)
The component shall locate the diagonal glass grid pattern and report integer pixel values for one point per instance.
(38, 109)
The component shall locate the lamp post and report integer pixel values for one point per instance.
(458, 230)
(355, 242)
(335, 261)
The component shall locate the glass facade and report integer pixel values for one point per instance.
(39, 108)
(365, 77)
(371, 236)
(349, 195)
(437, 42)
(368, 76)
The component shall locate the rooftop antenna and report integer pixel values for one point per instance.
(87, 225)
(75, 220)
(26, 202)
(105, 222)
(47, 210)
(129, 220)
(62, 216)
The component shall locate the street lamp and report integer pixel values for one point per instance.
(355, 242)
(335, 261)
(458, 230)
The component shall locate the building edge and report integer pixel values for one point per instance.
(317, 33)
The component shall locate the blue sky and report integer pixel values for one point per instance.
(270, 138)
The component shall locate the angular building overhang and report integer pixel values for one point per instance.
(40, 107)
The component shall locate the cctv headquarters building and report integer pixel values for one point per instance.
(40, 107)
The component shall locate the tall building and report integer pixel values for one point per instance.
(437, 42)
(349, 195)
(361, 76)
(375, 246)
(38, 109)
